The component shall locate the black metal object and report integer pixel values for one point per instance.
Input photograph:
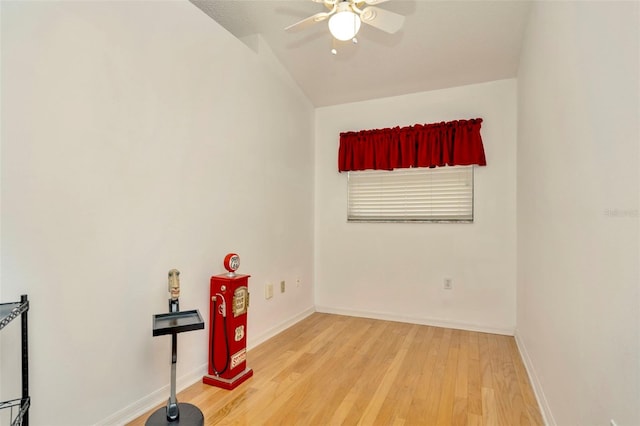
(25, 359)
(177, 322)
(190, 415)
(8, 312)
(174, 412)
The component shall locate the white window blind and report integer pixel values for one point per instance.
(441, 194)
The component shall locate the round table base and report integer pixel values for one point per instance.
(189, 415)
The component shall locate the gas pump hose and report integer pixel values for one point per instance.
(226, 337)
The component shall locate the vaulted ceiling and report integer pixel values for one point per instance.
(441, 44)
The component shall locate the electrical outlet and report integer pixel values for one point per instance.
(282, 286)
(448, 284)
(268, 291)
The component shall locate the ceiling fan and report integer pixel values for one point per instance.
(345, 17)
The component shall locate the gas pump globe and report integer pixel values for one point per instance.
(231, 264)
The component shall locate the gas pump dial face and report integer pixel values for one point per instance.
(232, 262)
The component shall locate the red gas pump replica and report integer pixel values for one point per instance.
(228, 324)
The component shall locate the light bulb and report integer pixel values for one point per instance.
(344, 25)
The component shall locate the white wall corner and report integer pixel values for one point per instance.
(252, 41)
(545, 410)
(258, 44)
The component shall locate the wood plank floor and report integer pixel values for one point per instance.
(339, 370)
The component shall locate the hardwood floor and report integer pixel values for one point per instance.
(335, 370)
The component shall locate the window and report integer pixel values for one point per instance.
(441, 194)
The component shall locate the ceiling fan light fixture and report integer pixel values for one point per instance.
(344, 25)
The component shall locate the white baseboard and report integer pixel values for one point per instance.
(155, 398)
(159, 396)
(279, 328)
(545, 410)
(415, 320)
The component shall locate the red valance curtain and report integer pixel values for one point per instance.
(455, 143)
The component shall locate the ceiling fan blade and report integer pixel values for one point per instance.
(381, 19)
(307, 22)
(371, 2)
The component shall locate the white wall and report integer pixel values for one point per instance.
(139, 137)
(578, 210)
(396, 271)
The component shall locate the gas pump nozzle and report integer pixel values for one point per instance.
(222, 308)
